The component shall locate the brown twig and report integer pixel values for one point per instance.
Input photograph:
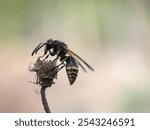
(44, 100)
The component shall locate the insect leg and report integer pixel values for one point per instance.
(56, 58)
(45, 57)
(61, 67)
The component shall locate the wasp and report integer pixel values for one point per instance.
(67, 57)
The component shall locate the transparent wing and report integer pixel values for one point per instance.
(82, 66)
(70, 52)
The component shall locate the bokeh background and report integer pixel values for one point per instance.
(111, 35)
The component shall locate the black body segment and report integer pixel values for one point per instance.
(72, 69)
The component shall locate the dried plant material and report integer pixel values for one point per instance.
(46, 72)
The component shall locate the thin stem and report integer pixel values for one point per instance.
(44, 100)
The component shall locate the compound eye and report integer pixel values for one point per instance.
(49, 40)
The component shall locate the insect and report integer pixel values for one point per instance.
(67, 57)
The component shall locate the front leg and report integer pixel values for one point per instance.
(45, 57)
(56, 58)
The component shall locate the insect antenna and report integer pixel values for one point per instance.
(37, 48)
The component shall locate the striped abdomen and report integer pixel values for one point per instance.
(72, 69)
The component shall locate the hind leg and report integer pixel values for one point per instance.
(62, 61)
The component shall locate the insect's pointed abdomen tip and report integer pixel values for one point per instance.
(71, 83)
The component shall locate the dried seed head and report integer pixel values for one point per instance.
(46, 71)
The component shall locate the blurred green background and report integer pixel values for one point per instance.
(111, 35)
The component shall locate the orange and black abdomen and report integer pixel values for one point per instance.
(71, 69)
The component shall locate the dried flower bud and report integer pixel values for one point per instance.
(46, 71)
